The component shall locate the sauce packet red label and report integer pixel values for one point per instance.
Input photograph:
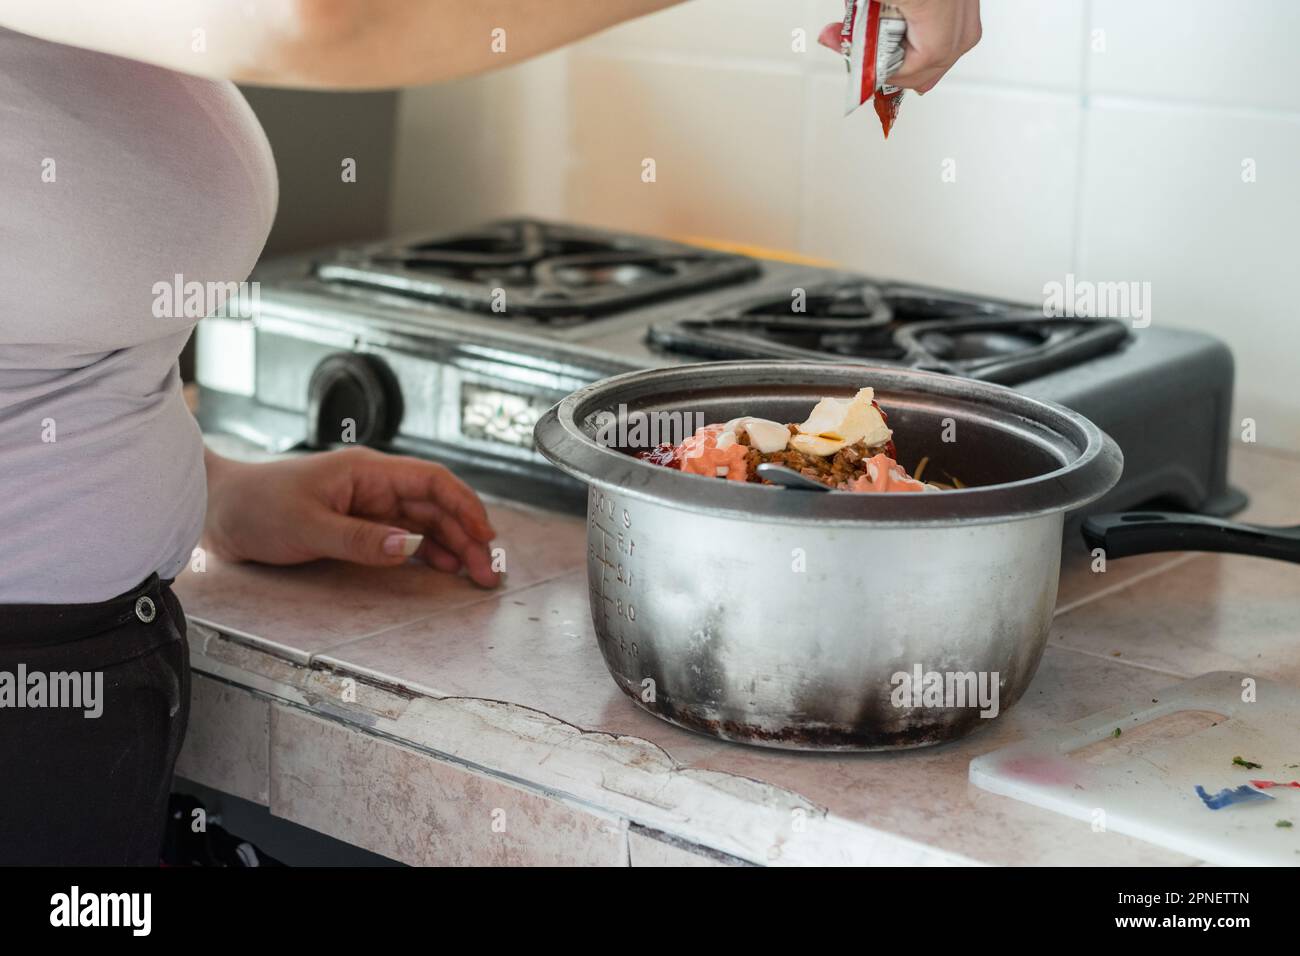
(871, 38)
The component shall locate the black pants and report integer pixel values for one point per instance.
(80, 789)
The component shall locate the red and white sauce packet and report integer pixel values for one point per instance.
(872, 40)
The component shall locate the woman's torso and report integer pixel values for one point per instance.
(115, 178)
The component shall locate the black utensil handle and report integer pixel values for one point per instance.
(1145, 532)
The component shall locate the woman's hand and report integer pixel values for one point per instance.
(355, 505)
(939, 33)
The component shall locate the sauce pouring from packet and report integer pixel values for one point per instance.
(871, 39)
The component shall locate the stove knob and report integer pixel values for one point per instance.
(352, 399)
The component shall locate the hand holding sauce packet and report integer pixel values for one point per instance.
(871, 38)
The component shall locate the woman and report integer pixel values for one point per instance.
(127, 158)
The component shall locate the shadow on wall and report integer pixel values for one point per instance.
(313, 135)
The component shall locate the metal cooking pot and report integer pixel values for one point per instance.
(801, 620)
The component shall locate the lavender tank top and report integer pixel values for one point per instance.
(115, 177)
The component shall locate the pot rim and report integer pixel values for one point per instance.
(1093, 462)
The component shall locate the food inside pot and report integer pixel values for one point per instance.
(845, 444)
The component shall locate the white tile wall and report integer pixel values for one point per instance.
(483, 147)
(997, 222)
(1099, 137)
(718, 28)
(1241, 55)
(728, 167)
(1034, 43)
(1165, 203)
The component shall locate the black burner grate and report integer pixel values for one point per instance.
(894, 324)
(552, 273)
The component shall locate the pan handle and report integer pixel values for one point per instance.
(1144, 532)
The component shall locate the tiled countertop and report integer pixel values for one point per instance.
(419, 717)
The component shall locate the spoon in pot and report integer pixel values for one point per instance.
(781, 475)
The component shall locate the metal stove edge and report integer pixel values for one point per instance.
(533, 366)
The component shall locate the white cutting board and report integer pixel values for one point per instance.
(1143, 781)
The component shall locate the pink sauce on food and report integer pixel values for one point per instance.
(700, 455)
(884, 474)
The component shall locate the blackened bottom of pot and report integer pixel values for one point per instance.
(957, 723)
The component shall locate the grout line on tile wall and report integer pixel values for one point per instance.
(1124, 584)
(1089, 99)
(1021, 90)
(1081, 147)
(730, 62)
(569, 163)
(802, 237)
(1148, 101)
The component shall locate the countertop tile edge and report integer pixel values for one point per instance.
(627, 776)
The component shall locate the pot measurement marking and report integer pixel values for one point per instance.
(616, 550)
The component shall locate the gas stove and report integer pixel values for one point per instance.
(858, 320)
(452, 347)
(535, 272)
